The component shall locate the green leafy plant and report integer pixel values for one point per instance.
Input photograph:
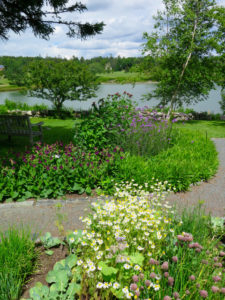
(100, 129)
(59, 279)
(49, 242)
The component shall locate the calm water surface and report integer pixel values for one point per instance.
(138, 90)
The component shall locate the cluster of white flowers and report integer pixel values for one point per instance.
(132, 222)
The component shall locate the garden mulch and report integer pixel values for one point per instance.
(41, 216)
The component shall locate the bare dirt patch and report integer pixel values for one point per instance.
(45, 264)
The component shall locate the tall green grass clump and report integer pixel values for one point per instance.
(11, 105)
(17, 261)
(190, 159)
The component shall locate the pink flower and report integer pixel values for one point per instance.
(165, 266)
(166, 274)
(147, 282)
(219, 265)
(222, 253)
(167, 298)
(192, 277)
(152, 261)
(135, 278)
(133, 287)
(176, 295)
(216, 278)
(222, 290)
(170, 281)
(137, 293)
(215, 289)
(203, 293)
(175, 259)
(152, 275)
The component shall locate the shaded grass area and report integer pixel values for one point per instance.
(53, 130)
(213, 129)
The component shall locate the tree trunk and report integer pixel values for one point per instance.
(174, 96)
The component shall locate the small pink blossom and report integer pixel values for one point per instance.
(215, 289)
(203, 293)
(175, 259)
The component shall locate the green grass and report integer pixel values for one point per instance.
(213, 129)
(122, 77)
(17, 261)
(6, 86)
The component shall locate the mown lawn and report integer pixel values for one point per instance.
(213, 129)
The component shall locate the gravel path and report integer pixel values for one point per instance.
(41, 216)
(211, 193)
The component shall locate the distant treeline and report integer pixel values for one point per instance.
(16, 67)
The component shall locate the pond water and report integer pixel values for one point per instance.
(137, 90)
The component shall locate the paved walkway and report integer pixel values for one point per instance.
(41, 216)
(211, 192)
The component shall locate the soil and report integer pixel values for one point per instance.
(45, 264)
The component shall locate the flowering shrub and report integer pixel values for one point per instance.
(101, 127)
(53, 170)
(146, 136)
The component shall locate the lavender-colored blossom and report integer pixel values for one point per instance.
(222, 290)
(222, 253)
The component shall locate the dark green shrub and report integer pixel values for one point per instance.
(100, 128)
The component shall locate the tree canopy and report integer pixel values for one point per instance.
(61, 80)
(188, 33)
(42, 16)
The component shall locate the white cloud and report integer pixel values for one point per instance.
(125, 20)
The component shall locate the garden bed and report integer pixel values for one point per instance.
(136, 247)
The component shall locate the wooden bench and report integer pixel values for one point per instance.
(14, 125)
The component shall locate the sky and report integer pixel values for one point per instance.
(126, 21)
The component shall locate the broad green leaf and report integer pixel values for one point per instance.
(137, 258)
